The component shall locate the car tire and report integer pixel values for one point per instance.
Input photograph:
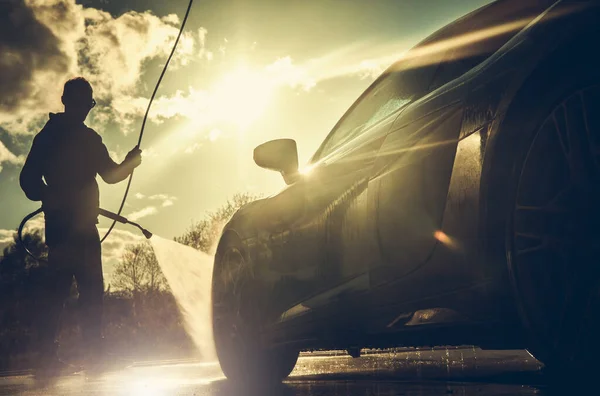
(238, 317)
(552, 240)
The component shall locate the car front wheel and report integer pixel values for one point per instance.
(238, 320)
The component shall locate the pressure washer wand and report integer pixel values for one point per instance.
(103, 212)
(123, 220)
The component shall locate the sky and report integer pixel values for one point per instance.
(245, 72)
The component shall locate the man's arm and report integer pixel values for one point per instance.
(110, 171)
(30, 178)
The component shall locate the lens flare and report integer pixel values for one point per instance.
(443, 238)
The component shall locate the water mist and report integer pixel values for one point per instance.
(189, 274)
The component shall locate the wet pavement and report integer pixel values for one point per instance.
(458, 371)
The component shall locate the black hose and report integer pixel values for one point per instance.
(20, 234)
(146, 116)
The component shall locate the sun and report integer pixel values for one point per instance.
(242, 96)
(238, 98)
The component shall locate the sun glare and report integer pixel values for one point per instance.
(242, 96)
(238, 98)
(307, 170)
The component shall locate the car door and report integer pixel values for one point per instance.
(413, 171)
(412, 175)
(325, 248)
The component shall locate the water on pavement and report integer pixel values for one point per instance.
(462, 371)
(440, 371)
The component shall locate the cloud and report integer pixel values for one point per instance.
(7, 156)
(33, 55)
(114, 246)
(129, 108)
(371, 69)
(6, 237)
(192, 148)
(285, 72)
(36, 223)
(116, 48)
(147, 211)
(158, 197)
(203, 52)
(45, 42)
(239, 96)
(167, 200)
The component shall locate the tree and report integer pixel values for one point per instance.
(15, 262)
(21, 279)
(204, 234)
(155, 279)
(139, 271)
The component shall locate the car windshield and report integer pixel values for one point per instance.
(402, 83)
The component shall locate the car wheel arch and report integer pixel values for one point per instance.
(500, 163)
(500, 137)
(228, 238)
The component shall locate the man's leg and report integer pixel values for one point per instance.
(90, 284)
(54, 288)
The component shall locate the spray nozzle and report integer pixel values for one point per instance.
(146, 233)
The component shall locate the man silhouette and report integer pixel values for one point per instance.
(60, 171)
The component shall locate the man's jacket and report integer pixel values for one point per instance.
(68, 156)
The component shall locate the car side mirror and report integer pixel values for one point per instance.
(280, 155)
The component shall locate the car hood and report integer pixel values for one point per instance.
(240, 219)
(269, 214)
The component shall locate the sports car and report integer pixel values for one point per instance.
(454, 203)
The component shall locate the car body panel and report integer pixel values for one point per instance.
(393, 222)
(296, 240)
(410, 183)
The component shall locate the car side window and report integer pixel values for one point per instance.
(402, 83)
(453, 69)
